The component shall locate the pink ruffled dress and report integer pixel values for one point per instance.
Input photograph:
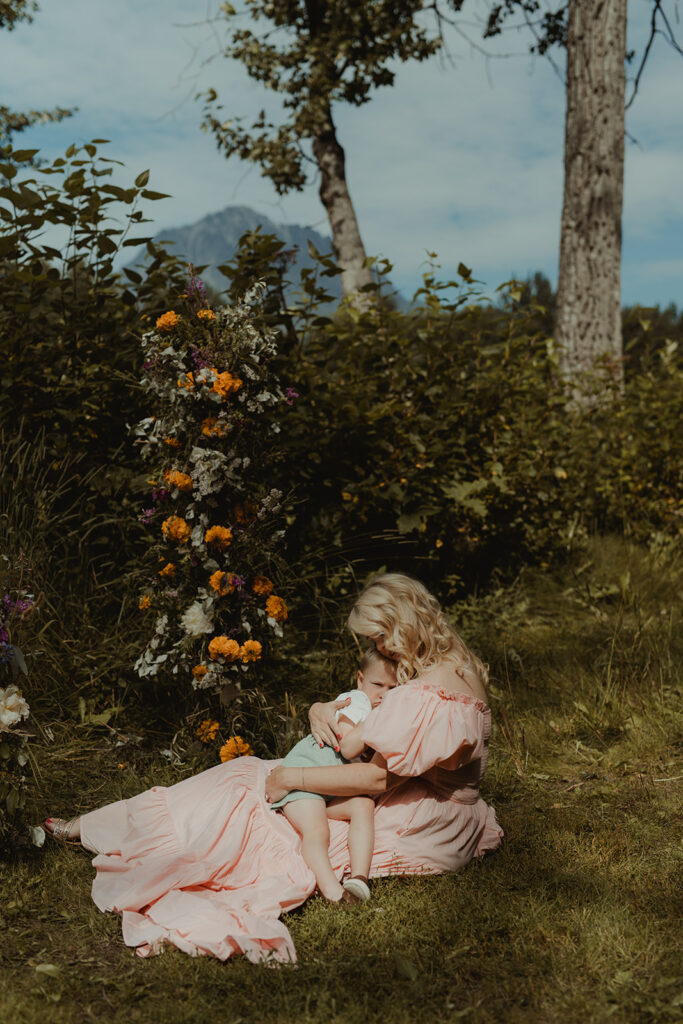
(207, 865)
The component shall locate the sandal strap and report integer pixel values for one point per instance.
(62, 829)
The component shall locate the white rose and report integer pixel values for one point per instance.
(13, 707)
(195, 621)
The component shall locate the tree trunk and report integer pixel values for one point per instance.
(588, 324)
(334, 194)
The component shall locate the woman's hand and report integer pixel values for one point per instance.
(278, 784)
(323, 722)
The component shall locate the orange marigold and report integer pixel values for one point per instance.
(167, 321)
(206, 314)
(223, 647)
(262, 586)
(172, 442)
(221, 536)
(276, 608)
(218, 581)
(225, 384)
(199, 671)
(206, 730)
(250, 651)
(235, 747)
(187, 381)
(168, 570)
(212, 428)
(175, 528)
(144, 602)
(182, 481)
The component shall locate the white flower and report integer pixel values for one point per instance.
(13, 707)
(195, 621)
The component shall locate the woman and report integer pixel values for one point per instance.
(207, 866)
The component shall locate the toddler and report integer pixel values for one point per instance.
(309, 812)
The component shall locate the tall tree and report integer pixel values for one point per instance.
(316, 53)
(588, 322)
(12, 11)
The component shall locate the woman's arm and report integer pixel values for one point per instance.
(346, 780)
(321, 715)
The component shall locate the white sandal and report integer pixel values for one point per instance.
(357, 886)
(61, 830)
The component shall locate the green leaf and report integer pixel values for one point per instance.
(406, 968)
(51, 970)
(155, 195)
(142, 179)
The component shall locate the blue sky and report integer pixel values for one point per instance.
(462, 158)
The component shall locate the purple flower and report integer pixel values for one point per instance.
(146, 515)
(160, 495)
(290, 395)
(237, 581)
(200, 359)
(4, 636)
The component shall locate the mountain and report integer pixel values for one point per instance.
(213, 240)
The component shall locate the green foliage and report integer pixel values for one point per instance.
(446, 444)
(313, 54)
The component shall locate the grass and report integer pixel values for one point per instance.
(574, 919)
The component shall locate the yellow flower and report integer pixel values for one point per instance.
(199, 671)
(180, 480)
(560, 473)
(439, 542)
(206, 730)
(251, 651)
(222, 647)
(187, 382)
(172, 442)
(276, 608)
(212, 428)
(221, 536)
(235, 747)
(225, 384)
(144, 603)
(262, 586)
(167, 321)
(168, 570)
(175, 528)
(206, 314)
(346, 496)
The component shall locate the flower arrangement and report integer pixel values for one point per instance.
(212, 522)
(17, 605)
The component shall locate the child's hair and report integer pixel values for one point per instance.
(371, 656)
(411, 624)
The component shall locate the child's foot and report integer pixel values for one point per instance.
(357, 886)
(66, 831)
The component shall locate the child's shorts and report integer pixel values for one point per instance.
(307, 754)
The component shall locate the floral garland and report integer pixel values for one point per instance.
(16, 606)
(206, 373)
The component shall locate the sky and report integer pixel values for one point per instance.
(461, 157)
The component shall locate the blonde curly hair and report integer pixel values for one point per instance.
(409, 620)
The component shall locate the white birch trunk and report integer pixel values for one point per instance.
(335, 197)
(588, 324)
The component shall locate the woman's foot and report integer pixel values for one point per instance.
(64, 830)
(357, 886)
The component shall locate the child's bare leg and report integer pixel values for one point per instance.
(309, 817)
(359, 811)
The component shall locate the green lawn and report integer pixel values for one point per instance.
(574, 919)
